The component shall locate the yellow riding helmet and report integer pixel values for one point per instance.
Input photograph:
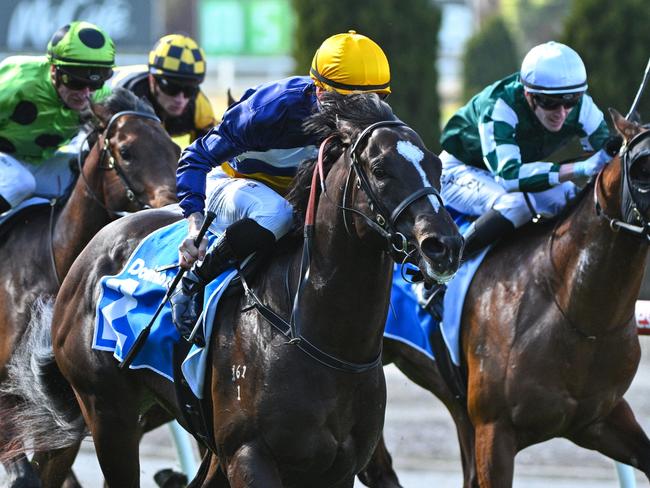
(351, 63)
(177, 56)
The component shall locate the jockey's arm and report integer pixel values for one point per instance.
(502, 155)
(220, 144)
(188, 252)
(580, 171)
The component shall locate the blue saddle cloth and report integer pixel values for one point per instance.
(409, 323)
(129, 299)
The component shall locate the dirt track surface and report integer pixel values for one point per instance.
(422, 440)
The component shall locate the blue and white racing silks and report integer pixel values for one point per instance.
(129, 299)
(409, 323)
(260, 137)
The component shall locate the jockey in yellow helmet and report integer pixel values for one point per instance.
(252, 157)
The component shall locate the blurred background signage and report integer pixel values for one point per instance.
(246, 27)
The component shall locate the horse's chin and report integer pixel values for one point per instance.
(431, 275)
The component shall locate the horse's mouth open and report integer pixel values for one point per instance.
(440, 278)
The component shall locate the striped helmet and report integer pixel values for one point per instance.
(351, 63)
(177, 56)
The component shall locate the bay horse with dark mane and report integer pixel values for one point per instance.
(549, 340)
(308, 411)
(131, 166)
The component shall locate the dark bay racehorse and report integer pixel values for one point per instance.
(549, 338)
(289, 419)
(132, 165)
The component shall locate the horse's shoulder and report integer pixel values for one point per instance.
(513, 259)
(24, 220)
(140, 224)
(115, 242)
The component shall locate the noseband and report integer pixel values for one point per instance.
(633, 220)
(383, 222)
(108, 162)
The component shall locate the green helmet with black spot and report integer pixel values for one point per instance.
(82, 50)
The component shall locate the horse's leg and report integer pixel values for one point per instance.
(55, 467)
(618, 436)
(253, 467)
(210, 474)
(379, 472)
(465, 432)
(425, 373)
(113, 420)
(495, 455)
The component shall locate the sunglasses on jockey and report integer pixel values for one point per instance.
(80, 78)
(173, 88)
(553, 102)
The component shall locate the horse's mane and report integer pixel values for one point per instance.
(340, 116)
(119, 100)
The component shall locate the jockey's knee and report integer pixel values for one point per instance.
(513, 206)
(277, 217)
(247, 236)
(16, 184)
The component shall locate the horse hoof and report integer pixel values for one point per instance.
(168, 478)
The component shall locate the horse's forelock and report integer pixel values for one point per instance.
(344, 117)
(119, 100)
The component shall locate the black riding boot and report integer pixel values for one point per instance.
(240, 239)
(4, 205)
(486, 230)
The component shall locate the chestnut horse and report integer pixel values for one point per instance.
(549, 341)
(308, 411)
(131, 166)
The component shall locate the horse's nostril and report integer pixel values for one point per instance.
(433, 248)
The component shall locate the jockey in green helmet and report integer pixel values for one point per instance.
(40, 101)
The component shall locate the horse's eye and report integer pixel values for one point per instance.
(124, 152)
(378, 171)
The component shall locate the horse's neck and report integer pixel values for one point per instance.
(81, 217)
(347, 290)
(598, 271)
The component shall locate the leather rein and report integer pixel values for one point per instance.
(111, 164)
(380, 223)
(108, 162)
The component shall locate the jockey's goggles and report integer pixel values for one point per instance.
(93, 79)
(553, 102)
(173, 88)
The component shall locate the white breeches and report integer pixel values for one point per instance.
(233, 199)
(473, 191)
(20, 180)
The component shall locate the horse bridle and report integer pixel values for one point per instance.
(384, 226)
(633, 220)
(108, 162)
(112, 164)
(380, 223)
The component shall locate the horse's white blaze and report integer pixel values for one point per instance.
(414, 155)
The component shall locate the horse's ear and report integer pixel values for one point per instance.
(101, 113)
(177, 148)
(231, 99)
(624, 127)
